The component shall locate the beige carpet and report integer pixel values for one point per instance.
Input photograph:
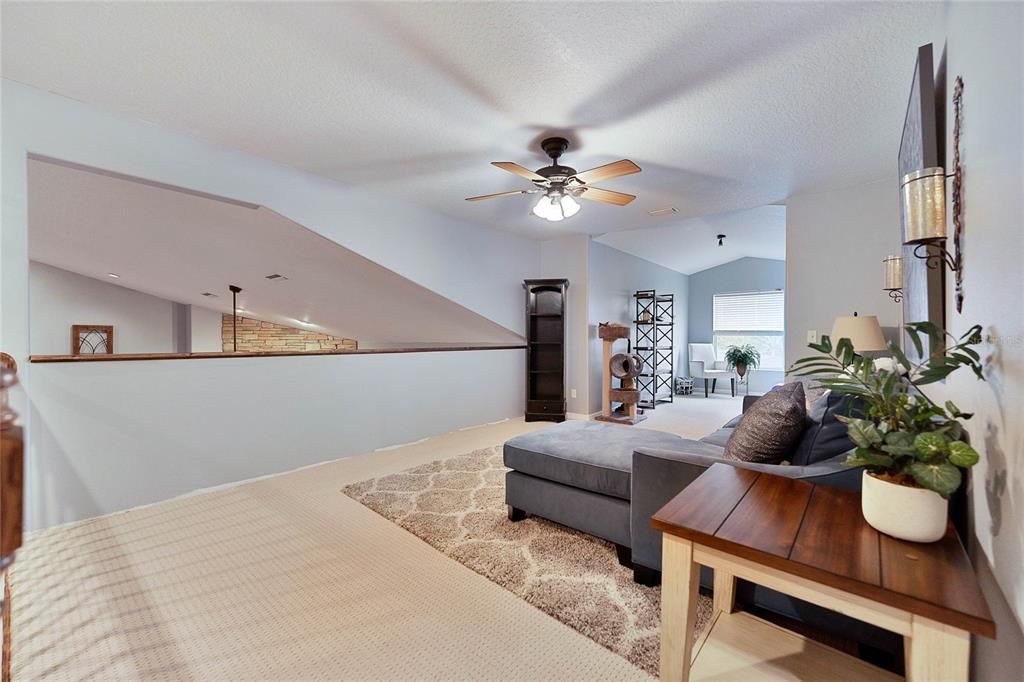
(458, 506)
(694, 416)
(281, 578)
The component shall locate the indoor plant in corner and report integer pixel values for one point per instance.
(742, 358)
(912, 448)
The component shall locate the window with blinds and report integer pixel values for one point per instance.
(756, 318)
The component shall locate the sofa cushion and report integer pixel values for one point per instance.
(825, 436)
(584, 454)
(721, 436)
(771, 428)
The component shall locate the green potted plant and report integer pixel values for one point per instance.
(742, 358)
(912, 449)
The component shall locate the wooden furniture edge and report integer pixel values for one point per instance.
(861, 608)
(130, 357)
(659, 522)
(985, 628)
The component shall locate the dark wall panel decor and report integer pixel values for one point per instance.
(921, 147)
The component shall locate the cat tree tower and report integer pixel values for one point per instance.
(622, 366)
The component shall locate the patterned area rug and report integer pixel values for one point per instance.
(457, 505)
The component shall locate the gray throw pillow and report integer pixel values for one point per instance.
(771, 428)
(825, 436)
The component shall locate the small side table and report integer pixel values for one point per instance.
(812, 542)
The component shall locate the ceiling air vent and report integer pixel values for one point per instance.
(276, 278)
(209, 294)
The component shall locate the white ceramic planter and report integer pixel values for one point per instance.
(915, 514)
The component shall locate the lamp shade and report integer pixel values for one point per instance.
(893, 279)
(863, 331)
(924, 206)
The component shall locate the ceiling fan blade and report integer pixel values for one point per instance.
(606, 196)
(608, 171)
(518, 170)
(499, 194)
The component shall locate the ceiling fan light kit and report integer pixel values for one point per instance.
(554, 207)
(561, 185)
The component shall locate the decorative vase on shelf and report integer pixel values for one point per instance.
(903, 511)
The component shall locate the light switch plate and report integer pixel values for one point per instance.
(572, 392)
(812, 336)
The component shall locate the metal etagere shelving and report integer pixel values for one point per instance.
(654, 325)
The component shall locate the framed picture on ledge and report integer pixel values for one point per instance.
(92, 339)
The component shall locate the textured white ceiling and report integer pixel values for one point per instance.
(690, 246)
(177, 245)
(725, 106)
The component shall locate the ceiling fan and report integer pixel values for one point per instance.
(562, 185)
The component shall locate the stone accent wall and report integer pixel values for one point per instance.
(256, 335)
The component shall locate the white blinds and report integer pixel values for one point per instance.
(762, 311)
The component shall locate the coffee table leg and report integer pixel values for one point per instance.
(725, 591)
(680, 578)
(936, 652)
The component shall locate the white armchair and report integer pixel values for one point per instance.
(703, 365)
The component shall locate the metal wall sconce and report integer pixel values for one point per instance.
(924, 210)
(892, 280)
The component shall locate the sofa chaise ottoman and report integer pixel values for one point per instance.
(607, 480)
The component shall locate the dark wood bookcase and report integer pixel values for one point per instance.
(545, 349)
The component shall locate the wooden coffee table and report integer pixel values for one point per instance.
(811, 542)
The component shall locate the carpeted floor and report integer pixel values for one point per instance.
(282, 578)
(457, 505)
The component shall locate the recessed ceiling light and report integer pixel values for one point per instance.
(209, 294)
(664, 211)
(114, 275)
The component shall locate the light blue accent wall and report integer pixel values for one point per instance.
(613, 277)
(738, 276)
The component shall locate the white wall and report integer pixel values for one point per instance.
(567, 257)
(835, 243)
(205, 330)
(984, 45)
(836, 240)
(150, 413)
(112, 435)
(614, 277)
(142, 323)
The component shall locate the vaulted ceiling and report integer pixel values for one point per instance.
(177, 244)
(690, 246)
(726, 106)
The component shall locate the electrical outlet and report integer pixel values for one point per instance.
(812, 336)
(572, 392)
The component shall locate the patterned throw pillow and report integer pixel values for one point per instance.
(771, 428)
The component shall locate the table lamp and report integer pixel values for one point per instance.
(863, 331)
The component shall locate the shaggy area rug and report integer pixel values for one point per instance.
(457, 505)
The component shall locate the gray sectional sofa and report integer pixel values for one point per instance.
(607, 480)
